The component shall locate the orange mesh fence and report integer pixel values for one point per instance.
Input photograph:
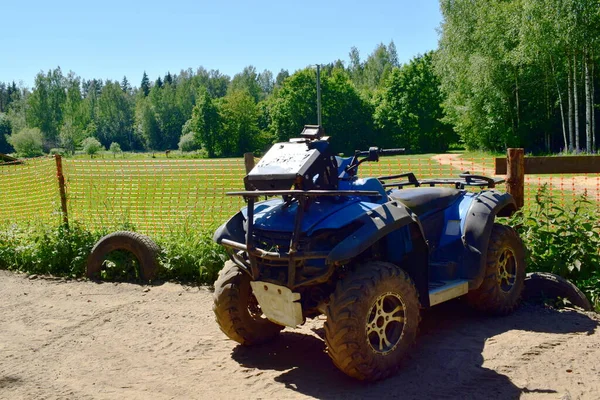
(153, 195)
(29, 192)
(161, 195)
(564, 188)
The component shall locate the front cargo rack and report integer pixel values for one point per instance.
(302, 196)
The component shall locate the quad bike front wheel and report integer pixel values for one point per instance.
(236, 310)
(372, 320)
(504, 277)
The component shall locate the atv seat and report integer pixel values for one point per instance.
(424, 200)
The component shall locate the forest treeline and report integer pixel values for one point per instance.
(372, 101)
(506, 73)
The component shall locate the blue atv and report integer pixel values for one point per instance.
(369, 253)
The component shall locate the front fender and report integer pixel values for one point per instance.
(404, 240)
(376, 224)
(478, 228)
(233, 229)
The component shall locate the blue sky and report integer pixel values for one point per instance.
(110, 39)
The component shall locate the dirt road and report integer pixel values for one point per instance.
(81, 340)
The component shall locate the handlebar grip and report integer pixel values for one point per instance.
(392, 152)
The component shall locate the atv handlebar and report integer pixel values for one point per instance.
(371, 155)
(379, 152)
(391, 152)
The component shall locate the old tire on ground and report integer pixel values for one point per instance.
(141, 246)
(540, 286)
(502, 285)
(372, 321)
(236, 310)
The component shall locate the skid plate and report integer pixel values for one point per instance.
(278, 303)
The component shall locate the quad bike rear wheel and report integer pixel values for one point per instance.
(372, 320)
(502, 285)
(236, 310)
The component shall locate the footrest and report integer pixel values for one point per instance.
(441, 291)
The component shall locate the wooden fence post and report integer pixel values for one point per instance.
(61, 188)
(515, 175)
(249, 162)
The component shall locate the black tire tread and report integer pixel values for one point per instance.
(541, 285)
(231, 311)
(343, 325)
(141, 246)
(489, 297)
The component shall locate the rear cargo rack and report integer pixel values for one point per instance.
(464, 180)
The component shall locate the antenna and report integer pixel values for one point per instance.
(319, 94)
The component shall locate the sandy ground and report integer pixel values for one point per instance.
(82, 340)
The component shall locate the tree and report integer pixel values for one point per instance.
(247, 80)
(92, 146)
(281, 77)
(188, 142)
(168, 79)
(5, 131)
(125, 86)
(146, 124)
(115, 116)
(115, 148)
(409, 112)
(215, 83)
(71, 136)
(347, 118)
(205, 123)
(511, 71)
(266, 83)
(240, 122)
(367, 76)
(356, 67)
(294, 105)
(145, 85)
(168, 114)
(27, 142)
(45, 105)
(76, 115)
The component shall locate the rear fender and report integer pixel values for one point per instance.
(401, 232)
(477, 230)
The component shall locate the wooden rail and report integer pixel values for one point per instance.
(515, 166)
(554, 165)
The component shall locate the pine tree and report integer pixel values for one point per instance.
(159, 82)
(168, 78)
(145, 85)
(125, 86)
(393, 54)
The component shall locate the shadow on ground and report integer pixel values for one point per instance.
(446, 363)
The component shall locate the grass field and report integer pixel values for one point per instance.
(159, 195)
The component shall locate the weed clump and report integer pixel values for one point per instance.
(563, 241)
